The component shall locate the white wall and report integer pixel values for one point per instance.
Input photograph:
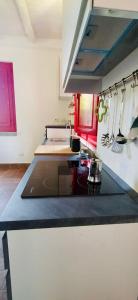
(126, 163)
(36, 81)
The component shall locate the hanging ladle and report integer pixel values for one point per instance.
(120, 138)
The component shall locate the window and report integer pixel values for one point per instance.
(85, 120)
(85, 112)
(7, 98)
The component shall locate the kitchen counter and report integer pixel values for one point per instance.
(68, 211)
(56, 239)
(49, 149)
(56, 146)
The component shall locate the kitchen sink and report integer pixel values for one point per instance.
(56, 141)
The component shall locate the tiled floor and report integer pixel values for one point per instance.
(9, 179)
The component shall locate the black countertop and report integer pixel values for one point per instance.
(68, 211)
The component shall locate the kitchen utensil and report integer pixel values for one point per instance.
(70, 140)
(112, 137)
(105, 139)
(117, 148)
(105, 136)
(120, 138)
(95, 171)
(101, 110)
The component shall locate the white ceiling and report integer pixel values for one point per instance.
(43, 18)
(46, 17)
(9, 20)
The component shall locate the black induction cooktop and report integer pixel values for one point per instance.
(66, 178)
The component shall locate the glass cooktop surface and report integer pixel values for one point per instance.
(66, 178)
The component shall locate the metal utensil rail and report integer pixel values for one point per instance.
(132, 76)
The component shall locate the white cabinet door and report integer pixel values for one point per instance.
(75, 15)
(62, 95)
(117, 4)
(88, 262)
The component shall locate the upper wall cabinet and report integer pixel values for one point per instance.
(126, 5)
(97, 35)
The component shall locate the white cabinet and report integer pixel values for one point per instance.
(62, 94)
(87, 262)
(75, 16)
(71, 16)
(95, 39)
(117, 4)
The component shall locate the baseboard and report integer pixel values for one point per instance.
(17, 165)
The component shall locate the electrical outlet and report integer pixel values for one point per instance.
(21, 154)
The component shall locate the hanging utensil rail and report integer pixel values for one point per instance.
(124, 80)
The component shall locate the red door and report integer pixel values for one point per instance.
(7, 98)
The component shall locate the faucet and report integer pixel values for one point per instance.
(68, 125)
